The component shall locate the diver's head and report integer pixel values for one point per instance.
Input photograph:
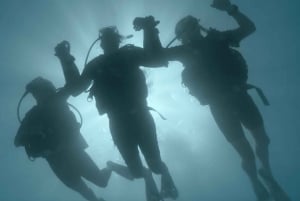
(188, 29)
(41, 89)
(110, 39)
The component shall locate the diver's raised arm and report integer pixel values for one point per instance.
(75, 83)
(148, 24)
(151, 56)
(246, 26)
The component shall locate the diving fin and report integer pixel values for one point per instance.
(276, 192)
(168, 188)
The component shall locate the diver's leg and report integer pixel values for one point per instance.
(89, 170)
(130, 154)
(134, 163)
(253, 121)
(151, 189)
(124, 136)
(228, 121)
(150, 149)
(121, 170)
(262, 148)
(244, 149)
(78, 185)
(71, 177)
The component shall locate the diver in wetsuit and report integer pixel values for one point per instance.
(120, 90)
(216, 74)
(50, 130)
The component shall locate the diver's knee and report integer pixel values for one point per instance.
(260, 136)
(244, 149)
(156, 170)
(248, 162)
(263, 141)
(261, 148)
(249, 165)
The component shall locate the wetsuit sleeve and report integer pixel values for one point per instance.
(75, 83)
(176, 53)
(159, 55)
(152, 54)
(246, 27)
(151, 43)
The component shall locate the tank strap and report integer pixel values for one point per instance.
(260, 93)
(153, 109)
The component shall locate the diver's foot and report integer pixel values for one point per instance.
(168, 189)
(277, 193)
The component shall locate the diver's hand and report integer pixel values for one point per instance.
(144, 23)
(62, 50)
(223, 5)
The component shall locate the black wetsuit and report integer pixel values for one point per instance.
(216, 74)
(50, 130)
(120, 90)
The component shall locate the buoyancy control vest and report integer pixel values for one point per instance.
(212, 68)
(119, 85)
(48, 126)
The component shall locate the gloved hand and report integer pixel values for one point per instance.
(144, 23)
(62, 50)
(223, 5)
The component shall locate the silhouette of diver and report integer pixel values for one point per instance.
(120, 91)
(50, 130)
(216, 74)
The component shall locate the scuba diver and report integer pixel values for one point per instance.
(120, 90)
(50, 131)
(216, 74)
